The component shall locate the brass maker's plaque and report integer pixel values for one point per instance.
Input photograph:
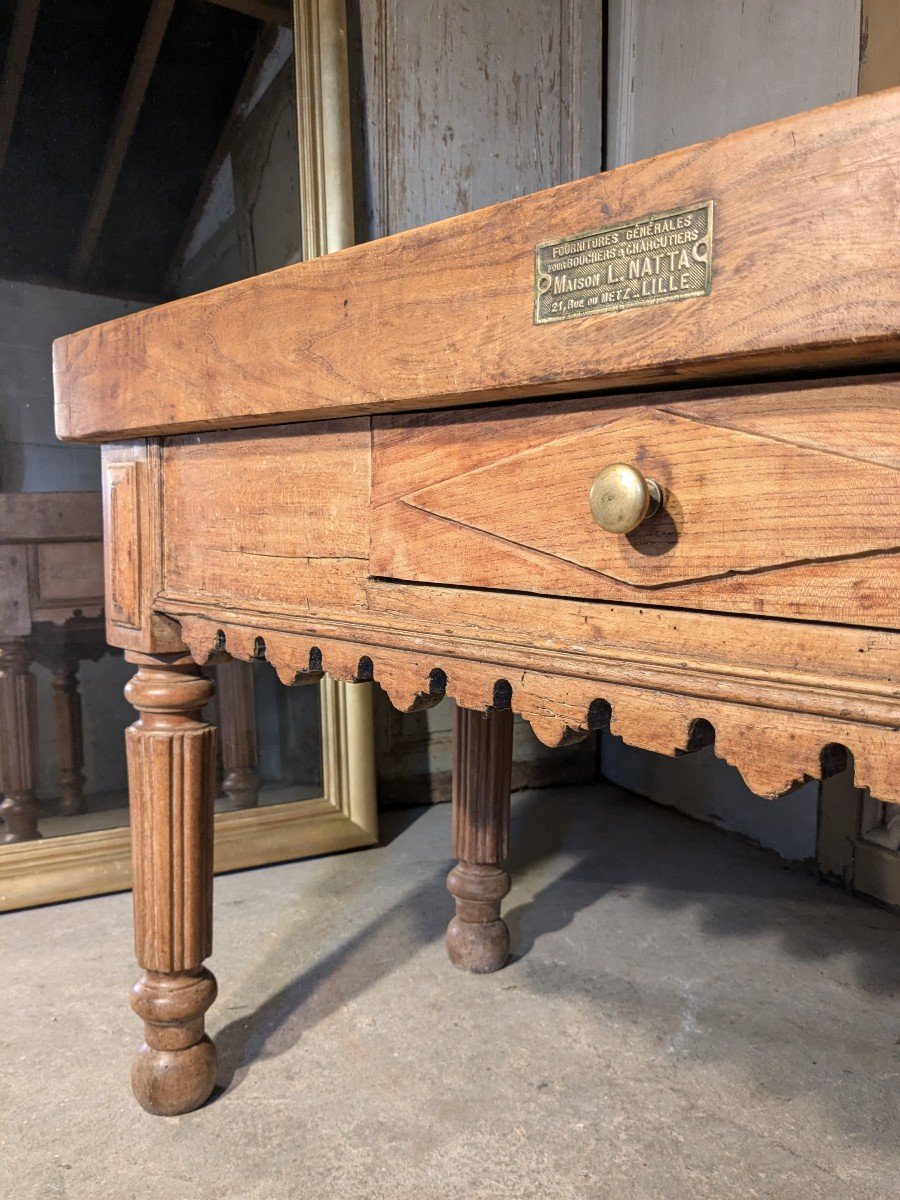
(664, 256)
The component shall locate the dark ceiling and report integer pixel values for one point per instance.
(76, 71)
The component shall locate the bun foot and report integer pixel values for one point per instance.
(478, 949)
(477, 938)
(168, 1083)
(174, 1070)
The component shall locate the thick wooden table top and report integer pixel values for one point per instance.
(804, 276)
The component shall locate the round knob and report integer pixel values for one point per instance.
(621, 498)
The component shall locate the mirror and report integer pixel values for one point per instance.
(146, 152)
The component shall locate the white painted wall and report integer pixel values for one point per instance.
(681, 73)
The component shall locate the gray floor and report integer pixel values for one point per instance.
(684, 1017)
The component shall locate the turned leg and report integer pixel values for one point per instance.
(171, 777)
(18, 725)
(237, 729)
(69, 736)
(477, 937)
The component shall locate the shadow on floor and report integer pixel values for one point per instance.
(606, 842)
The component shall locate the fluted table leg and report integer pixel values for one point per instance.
(237, 729)
(69, 736)
(18, 736)
(477, 937)
(171, 777)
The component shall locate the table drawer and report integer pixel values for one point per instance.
(778, 500)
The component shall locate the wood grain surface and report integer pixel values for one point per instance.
(781, 712)
(778, 499)
(477, 938)
(281, 514)
(259, 544)
(171, 781)
(804, 276)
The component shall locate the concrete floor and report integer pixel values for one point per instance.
(684, 1017)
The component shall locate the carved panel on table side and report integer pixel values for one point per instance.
(300, 533)
(123, 585)
(132, 483)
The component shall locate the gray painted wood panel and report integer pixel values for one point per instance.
(469, 104)
(684, 72)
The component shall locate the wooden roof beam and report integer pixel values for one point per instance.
(273, 12)
(14, 70)
(120, 138)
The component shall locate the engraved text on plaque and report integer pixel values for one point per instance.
(664, 256)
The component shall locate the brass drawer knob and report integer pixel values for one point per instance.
(621, 498)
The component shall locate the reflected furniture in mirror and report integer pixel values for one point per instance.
(51, 612)
(237, 733)
(51, 615)
(300, 779)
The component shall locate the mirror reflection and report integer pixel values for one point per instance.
(114, 197)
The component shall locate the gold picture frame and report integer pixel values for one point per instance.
(342, 818)
(345, 815)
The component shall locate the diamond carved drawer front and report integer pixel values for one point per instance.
(752, 517)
